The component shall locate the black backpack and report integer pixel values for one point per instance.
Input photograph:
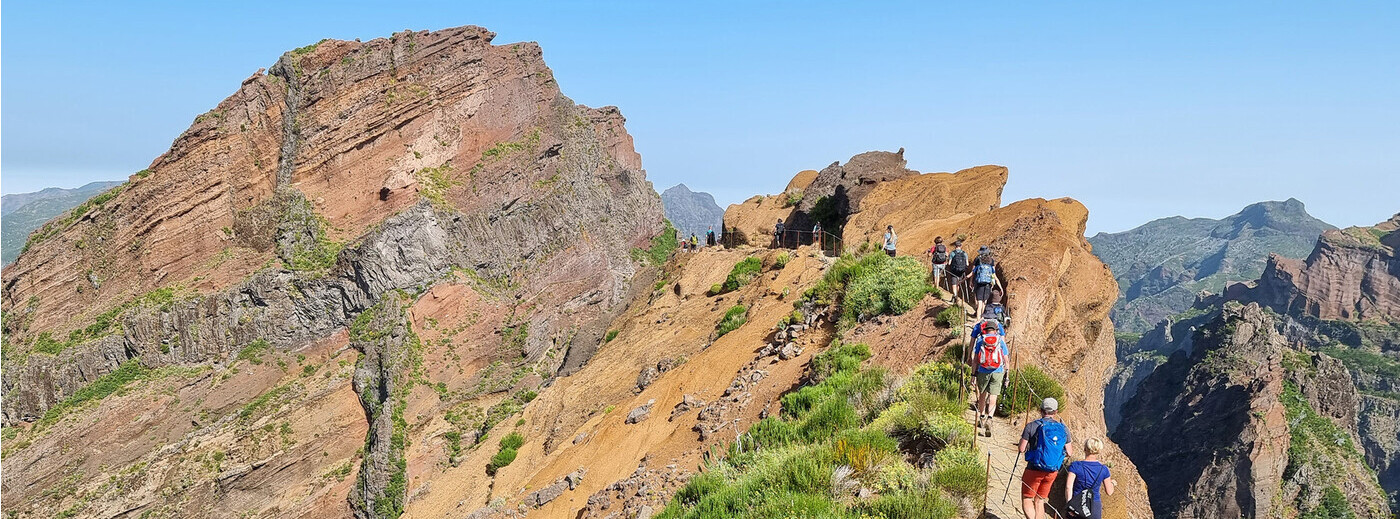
(940, 254)
(1081, 504)
(959, 261)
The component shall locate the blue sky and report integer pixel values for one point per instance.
(1140, 110)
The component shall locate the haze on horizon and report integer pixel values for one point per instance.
(1140, 112)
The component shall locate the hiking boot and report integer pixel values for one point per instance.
(987, 424)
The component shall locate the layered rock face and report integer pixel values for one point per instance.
(692, 212)
(1351, 274)
(1243, 426)
(432, 193)
(1162, 265)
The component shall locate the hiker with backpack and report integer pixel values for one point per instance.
(694, 242)
(984, 278)
(990, 357)
(957, 267)
(995, 310)
(1085, 479)
(778, 234)
(890, 239)
(710, 240)
(1045, 443)
(939, 254)
(817, 235)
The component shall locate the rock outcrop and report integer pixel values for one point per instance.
(1352, 274)
(431, 177)
(1244, 426)
(692, 212)
(1162, 265)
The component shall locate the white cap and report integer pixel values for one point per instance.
(1050, 405)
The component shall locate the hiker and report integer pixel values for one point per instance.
(890, 239)
(957, 267)
(778, 233)
(1085, 478)
(984, 278)
(939, 254)
(1045, 443)
(995, 310)
(710, 240)
(694, 242)
(817, 234)
(990, 359)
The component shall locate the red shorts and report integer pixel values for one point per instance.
(1036, 483)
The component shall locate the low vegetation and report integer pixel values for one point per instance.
(744, 272)
(1318, 444)
(107, 323)
(509, 446)
(1026, 387)
(848, 431)
(662, 245)
(869, 285)
(58, 225)
(735, 317)
(105, 385)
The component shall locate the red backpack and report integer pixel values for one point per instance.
(990, 357)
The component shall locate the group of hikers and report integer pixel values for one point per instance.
(1045, 443)
(692, 243)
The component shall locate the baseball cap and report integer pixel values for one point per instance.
(1050, 405)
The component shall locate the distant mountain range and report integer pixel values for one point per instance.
(24, 212)
(1162, 265)
(691, 212)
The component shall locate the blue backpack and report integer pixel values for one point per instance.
(985, 273)
(1048, 453)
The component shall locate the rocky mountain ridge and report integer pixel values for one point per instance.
(1162, 265)
(1331, 309)
(332, 192)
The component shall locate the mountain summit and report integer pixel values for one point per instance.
(691, 212)
(1162, 265)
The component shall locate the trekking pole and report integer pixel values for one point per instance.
(1015, 464)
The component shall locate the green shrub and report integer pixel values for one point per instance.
(716, 289)
(733, 319)
(960, 470)
(782, 260)
(870, 285)
(1026, 387)
(951, 317)
(838, 358)
(743, 272)
(938, 378)
(509, 445)
(612, 334)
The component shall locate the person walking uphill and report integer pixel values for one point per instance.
(1085, 479)
(710, 240)
(890, 239)
(778, 234)
(939, 255)
(989, 342)
(1046, 445)
(984, 278)
(957, 267)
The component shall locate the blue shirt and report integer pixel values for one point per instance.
(1088, 475)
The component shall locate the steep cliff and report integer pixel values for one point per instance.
(255, 324)
(1245, 426)
(1352, 274)
(1162, 265)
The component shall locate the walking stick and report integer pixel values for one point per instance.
(1008, 481)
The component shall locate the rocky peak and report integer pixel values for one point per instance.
(691, 212)
(1351, 274)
